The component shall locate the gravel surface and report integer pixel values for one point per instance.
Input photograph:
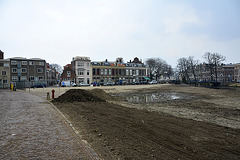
(32, 129)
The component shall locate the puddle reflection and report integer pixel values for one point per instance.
(152, 97)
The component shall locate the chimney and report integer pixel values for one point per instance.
(1, 55)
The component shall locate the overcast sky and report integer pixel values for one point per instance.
(57, 30)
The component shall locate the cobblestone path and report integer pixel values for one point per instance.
(30, 128)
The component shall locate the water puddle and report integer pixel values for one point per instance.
(154, 97)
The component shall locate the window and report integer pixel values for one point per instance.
(32, 78)
(40, 70)
(40, 78)
(130, 72)
(14, 70)
(137, 72)
(14, 78)
(120, 72)
(4, 73)
(31, 63)
(101, 71)
(94, 70)
(41, 63)
(87, 72)
(97, 71)
(13, 62)
(1, 64)
(126, 71)
(24, 70)
(23, 77)
(5, 64)
(80, 72)
(24, 62)
(87, 64)
(105, 71)
(68, 73)
(80, 64)
(113, 73)
(5, 81)
(109, 72)
(80, 80)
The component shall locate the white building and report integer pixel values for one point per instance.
(82, 67)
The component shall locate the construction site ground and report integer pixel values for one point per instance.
(154, 121)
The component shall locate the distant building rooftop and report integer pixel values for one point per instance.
(81, 58)
(23, 58)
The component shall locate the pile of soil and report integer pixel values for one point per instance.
(102, 94)
(80, 95)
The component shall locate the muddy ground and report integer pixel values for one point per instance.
(156, 122)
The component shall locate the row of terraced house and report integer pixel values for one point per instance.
(25, 72)
(83, 70)
(226, 73)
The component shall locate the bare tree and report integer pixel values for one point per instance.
(151, 62)
(188, 68)
(183, 68)
(57, 67)
(169, 71)
(214, 60)
(193, 64)
(158, 67)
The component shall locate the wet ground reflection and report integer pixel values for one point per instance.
(154, 97)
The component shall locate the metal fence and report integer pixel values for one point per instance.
(21, 84)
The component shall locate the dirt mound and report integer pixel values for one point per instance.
(102, 94)
(79, 95)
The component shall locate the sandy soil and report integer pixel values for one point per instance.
(188, 123)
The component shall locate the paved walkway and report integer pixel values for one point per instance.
(30, 128)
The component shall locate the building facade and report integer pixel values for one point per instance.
(29, 70)
(51, 75)
(68, 74)
(226, 73)
(119, 73)
(237, 72)
(82, 67)
(5, 73)
(107, 72)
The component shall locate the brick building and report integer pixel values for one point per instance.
(68, 73)
(119, 72)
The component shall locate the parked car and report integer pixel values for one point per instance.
(83, 84)
(144, 82)
(153, 82)
(73, 84)
(135, 83)
(109, 84)
(101, 83)
(39, 85)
